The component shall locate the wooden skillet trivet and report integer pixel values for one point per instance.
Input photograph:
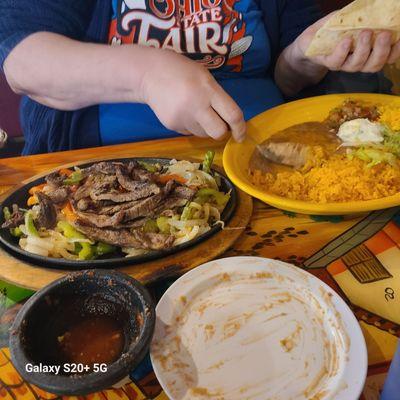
(30, 276)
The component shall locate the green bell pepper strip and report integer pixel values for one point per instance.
(30, 225)
(74, 178)
(208, 160)
(87, 252)
(163, 225)
(78, 248)
(148, 167)
(187, 212)
(16, 232)
(104, 248)
(6, 213)
(205, 193)
(150, 226)
(69, 231)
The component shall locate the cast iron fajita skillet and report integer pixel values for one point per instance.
(20, 196)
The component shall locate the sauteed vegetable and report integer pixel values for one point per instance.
(136, 207)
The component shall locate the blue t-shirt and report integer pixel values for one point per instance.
(226, 36)
(48, 130)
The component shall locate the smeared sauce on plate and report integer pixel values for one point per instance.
(248, 320)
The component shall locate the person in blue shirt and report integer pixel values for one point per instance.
(99, 72)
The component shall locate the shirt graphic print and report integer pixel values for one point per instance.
(215, 33)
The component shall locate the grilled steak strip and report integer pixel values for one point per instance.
(170, 204)
(55, 179)
(153, 241)
(97, 184)
(59, 195)
(99, 220)
(140, 174)
(138, 209)
(114, 208)
(184, 192)
(47, 216)
(141, 191)
(104, 167)
(124, 238)
(121, 237)
(146, 207)
(135, 185)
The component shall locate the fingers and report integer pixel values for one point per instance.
(194, 128)
(212, 124)
(336, 60)
(394, 54)
(230, 112)
(380, 53)
(356, 61)
(369, 55)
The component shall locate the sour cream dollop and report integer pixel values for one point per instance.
(360, 131)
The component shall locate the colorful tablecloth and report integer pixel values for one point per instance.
(358, 257)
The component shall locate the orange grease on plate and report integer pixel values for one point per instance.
(290, 342)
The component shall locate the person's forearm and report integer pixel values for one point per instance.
(293, 72)
(68, 75)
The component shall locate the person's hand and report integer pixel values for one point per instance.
(187, 99)
(369, 54)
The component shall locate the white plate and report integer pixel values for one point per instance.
(254, 328)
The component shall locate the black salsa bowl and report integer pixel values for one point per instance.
(90, 293)
(20, 196)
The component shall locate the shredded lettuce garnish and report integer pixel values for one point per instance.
(392, 141)
(387, 152)
(373, 156)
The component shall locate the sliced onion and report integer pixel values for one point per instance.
(45, 244)
(37, 250)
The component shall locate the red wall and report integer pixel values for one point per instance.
(9, 104)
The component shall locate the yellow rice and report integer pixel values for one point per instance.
(337, 179)
(390, 116)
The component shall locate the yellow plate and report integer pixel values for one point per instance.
(237, 155)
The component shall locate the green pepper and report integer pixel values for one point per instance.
(74, 178)
(77, 248)
(16, 232)
(69, 231)
(149, 167)
(208, 160)
(84, 251)
(104, 248)
(87, 252)
(150, 226)
(6, 213)
(163, 225)
(187, 212)
(220, 197)
(30, 225)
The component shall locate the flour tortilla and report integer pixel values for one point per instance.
(376, 15)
